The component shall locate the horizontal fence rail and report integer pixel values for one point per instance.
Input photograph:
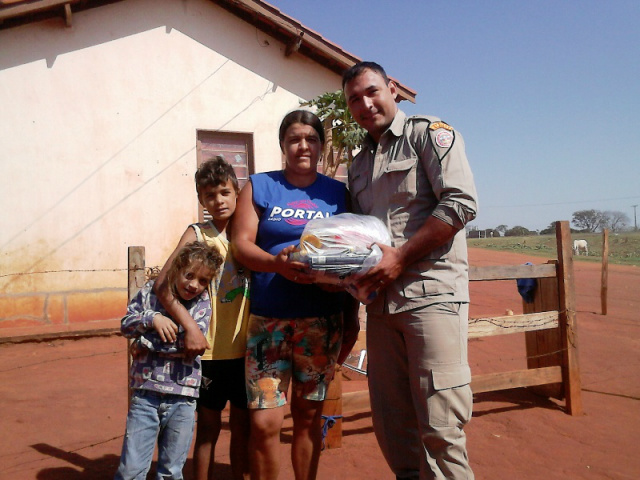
(549, 324)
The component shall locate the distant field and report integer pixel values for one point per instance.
(624, 248)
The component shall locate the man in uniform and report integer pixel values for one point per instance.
(413, 174)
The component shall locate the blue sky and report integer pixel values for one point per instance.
(545, 93)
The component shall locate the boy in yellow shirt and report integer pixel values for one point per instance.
(223, 378)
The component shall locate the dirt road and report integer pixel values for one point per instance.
(64, 403)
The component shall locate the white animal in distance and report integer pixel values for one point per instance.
(580, 246)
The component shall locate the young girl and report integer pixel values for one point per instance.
(223, 380)
(165, 384)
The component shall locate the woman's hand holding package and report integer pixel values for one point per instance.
(291, 269)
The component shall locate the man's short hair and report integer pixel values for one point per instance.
(359, 68)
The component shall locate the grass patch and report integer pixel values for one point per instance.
(624, 248)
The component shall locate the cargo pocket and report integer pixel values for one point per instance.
(400, 178)
(451, 403)
(358, 186)
(445, 380)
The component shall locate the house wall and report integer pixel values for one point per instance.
(99, 141)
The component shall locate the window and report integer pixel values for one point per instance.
(235, 148)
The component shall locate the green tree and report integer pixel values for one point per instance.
(518, 231)
(343, 134)
(549, 230)
(616, 221)
(589, 220)
(501, 229)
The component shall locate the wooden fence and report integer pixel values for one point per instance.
(550, 325)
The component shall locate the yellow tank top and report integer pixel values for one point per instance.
(229, 293)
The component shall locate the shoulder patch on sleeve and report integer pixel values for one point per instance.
(443, 138)
(440, 124)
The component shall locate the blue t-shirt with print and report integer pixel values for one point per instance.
(284, 210)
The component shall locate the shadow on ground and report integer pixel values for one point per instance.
(516, 399)
(98, 469)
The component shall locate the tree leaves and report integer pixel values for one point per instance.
(343, 134)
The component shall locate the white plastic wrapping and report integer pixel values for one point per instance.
(340, 248)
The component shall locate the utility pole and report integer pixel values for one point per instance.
(635, 221)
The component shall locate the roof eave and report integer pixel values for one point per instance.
(289, 31)
(297, 38)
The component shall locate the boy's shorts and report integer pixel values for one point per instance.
(278, 348)
(222, 382)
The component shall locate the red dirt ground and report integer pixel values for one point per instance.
(64, 402)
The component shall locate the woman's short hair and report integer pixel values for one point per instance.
(304, 117)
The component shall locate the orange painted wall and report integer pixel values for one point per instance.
(44, 309)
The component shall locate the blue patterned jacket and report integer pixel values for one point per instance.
(160, 366)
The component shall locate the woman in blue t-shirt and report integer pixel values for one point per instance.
(295, 330)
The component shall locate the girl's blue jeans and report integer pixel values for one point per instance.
(169, 419)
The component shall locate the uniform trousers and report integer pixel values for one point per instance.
(419, 386)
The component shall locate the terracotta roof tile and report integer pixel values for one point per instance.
(263, 15)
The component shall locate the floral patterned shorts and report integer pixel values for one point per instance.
(279, 348)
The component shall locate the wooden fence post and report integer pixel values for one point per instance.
(332, 412)
(544, 347)
(604, 289)
(567, 317)
(136, 260)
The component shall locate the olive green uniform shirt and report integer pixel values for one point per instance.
(418, 169)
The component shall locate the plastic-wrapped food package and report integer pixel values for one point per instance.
(339, 249)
